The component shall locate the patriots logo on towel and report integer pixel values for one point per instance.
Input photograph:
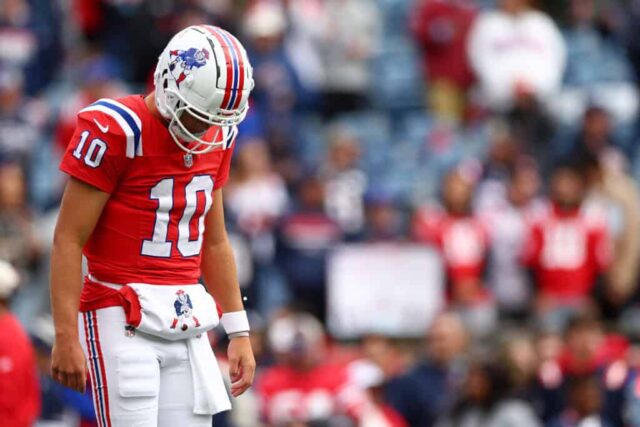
(184, 311)
(186, 60)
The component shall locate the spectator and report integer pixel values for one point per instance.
(278, 90)
(430, 388)
(375, 412)
(30, 40)
(588, 350)
(305, 238)
(585, 404)
(346, 183)
(567, 248)
(618, 194)
(300, 388)
(463, 242)
(20, 122)
(384, 218)
(350, 37)
(440, 28)
(516, 51)
(257, 199)
(307, 21)
(596, 137)
(18, 243)
(486, 401)
(19, 389)
(507, 214)
(592, 41)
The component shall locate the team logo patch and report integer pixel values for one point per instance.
(184, 311)
(183, 61)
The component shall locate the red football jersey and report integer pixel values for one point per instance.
(151, 228)
(318, 394)
(462, 240)
(567, 251)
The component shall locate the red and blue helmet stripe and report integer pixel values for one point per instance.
(235, 66)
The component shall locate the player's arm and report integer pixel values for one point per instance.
(95, 159)
(220, 276)
(81, 207)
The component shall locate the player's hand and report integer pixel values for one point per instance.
(68, 365)
(242, 365)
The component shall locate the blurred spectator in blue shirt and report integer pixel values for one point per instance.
(585, 404)
(346, 183)
(431, 388)
(30, 40)
(21, 120)
(305, 238)
(591, 42)
(488, 401)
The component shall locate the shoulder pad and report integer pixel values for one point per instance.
(127, 121)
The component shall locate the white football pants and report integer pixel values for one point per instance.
(139, 380)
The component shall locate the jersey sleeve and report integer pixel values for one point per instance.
(223, 172)
(96, 153)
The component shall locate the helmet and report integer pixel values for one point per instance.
(203, 71)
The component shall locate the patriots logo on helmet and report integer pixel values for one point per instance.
(186, 60)
(184, 308)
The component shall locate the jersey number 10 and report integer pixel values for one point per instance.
(158, 245)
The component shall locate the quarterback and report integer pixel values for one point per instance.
(144, 205)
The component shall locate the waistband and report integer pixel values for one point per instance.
(96, 295)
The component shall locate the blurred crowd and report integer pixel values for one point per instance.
(502, 133)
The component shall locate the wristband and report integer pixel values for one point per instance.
(238, 335)
(235, 321)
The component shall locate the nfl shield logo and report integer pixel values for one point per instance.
(188, 160)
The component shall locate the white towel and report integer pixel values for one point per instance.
(209, 393)
(174, 312)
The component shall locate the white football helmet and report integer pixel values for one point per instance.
(205, 71)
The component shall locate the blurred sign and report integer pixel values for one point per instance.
(389, 289)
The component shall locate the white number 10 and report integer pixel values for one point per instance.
(159, 246)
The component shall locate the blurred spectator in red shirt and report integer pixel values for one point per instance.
(441, 28)
(463, 241)
(19, 388)
(300, 388)
(568, 247)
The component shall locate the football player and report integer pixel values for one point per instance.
(144, 205)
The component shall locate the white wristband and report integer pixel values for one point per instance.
(235, 321)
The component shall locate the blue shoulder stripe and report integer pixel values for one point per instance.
(134, 127)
